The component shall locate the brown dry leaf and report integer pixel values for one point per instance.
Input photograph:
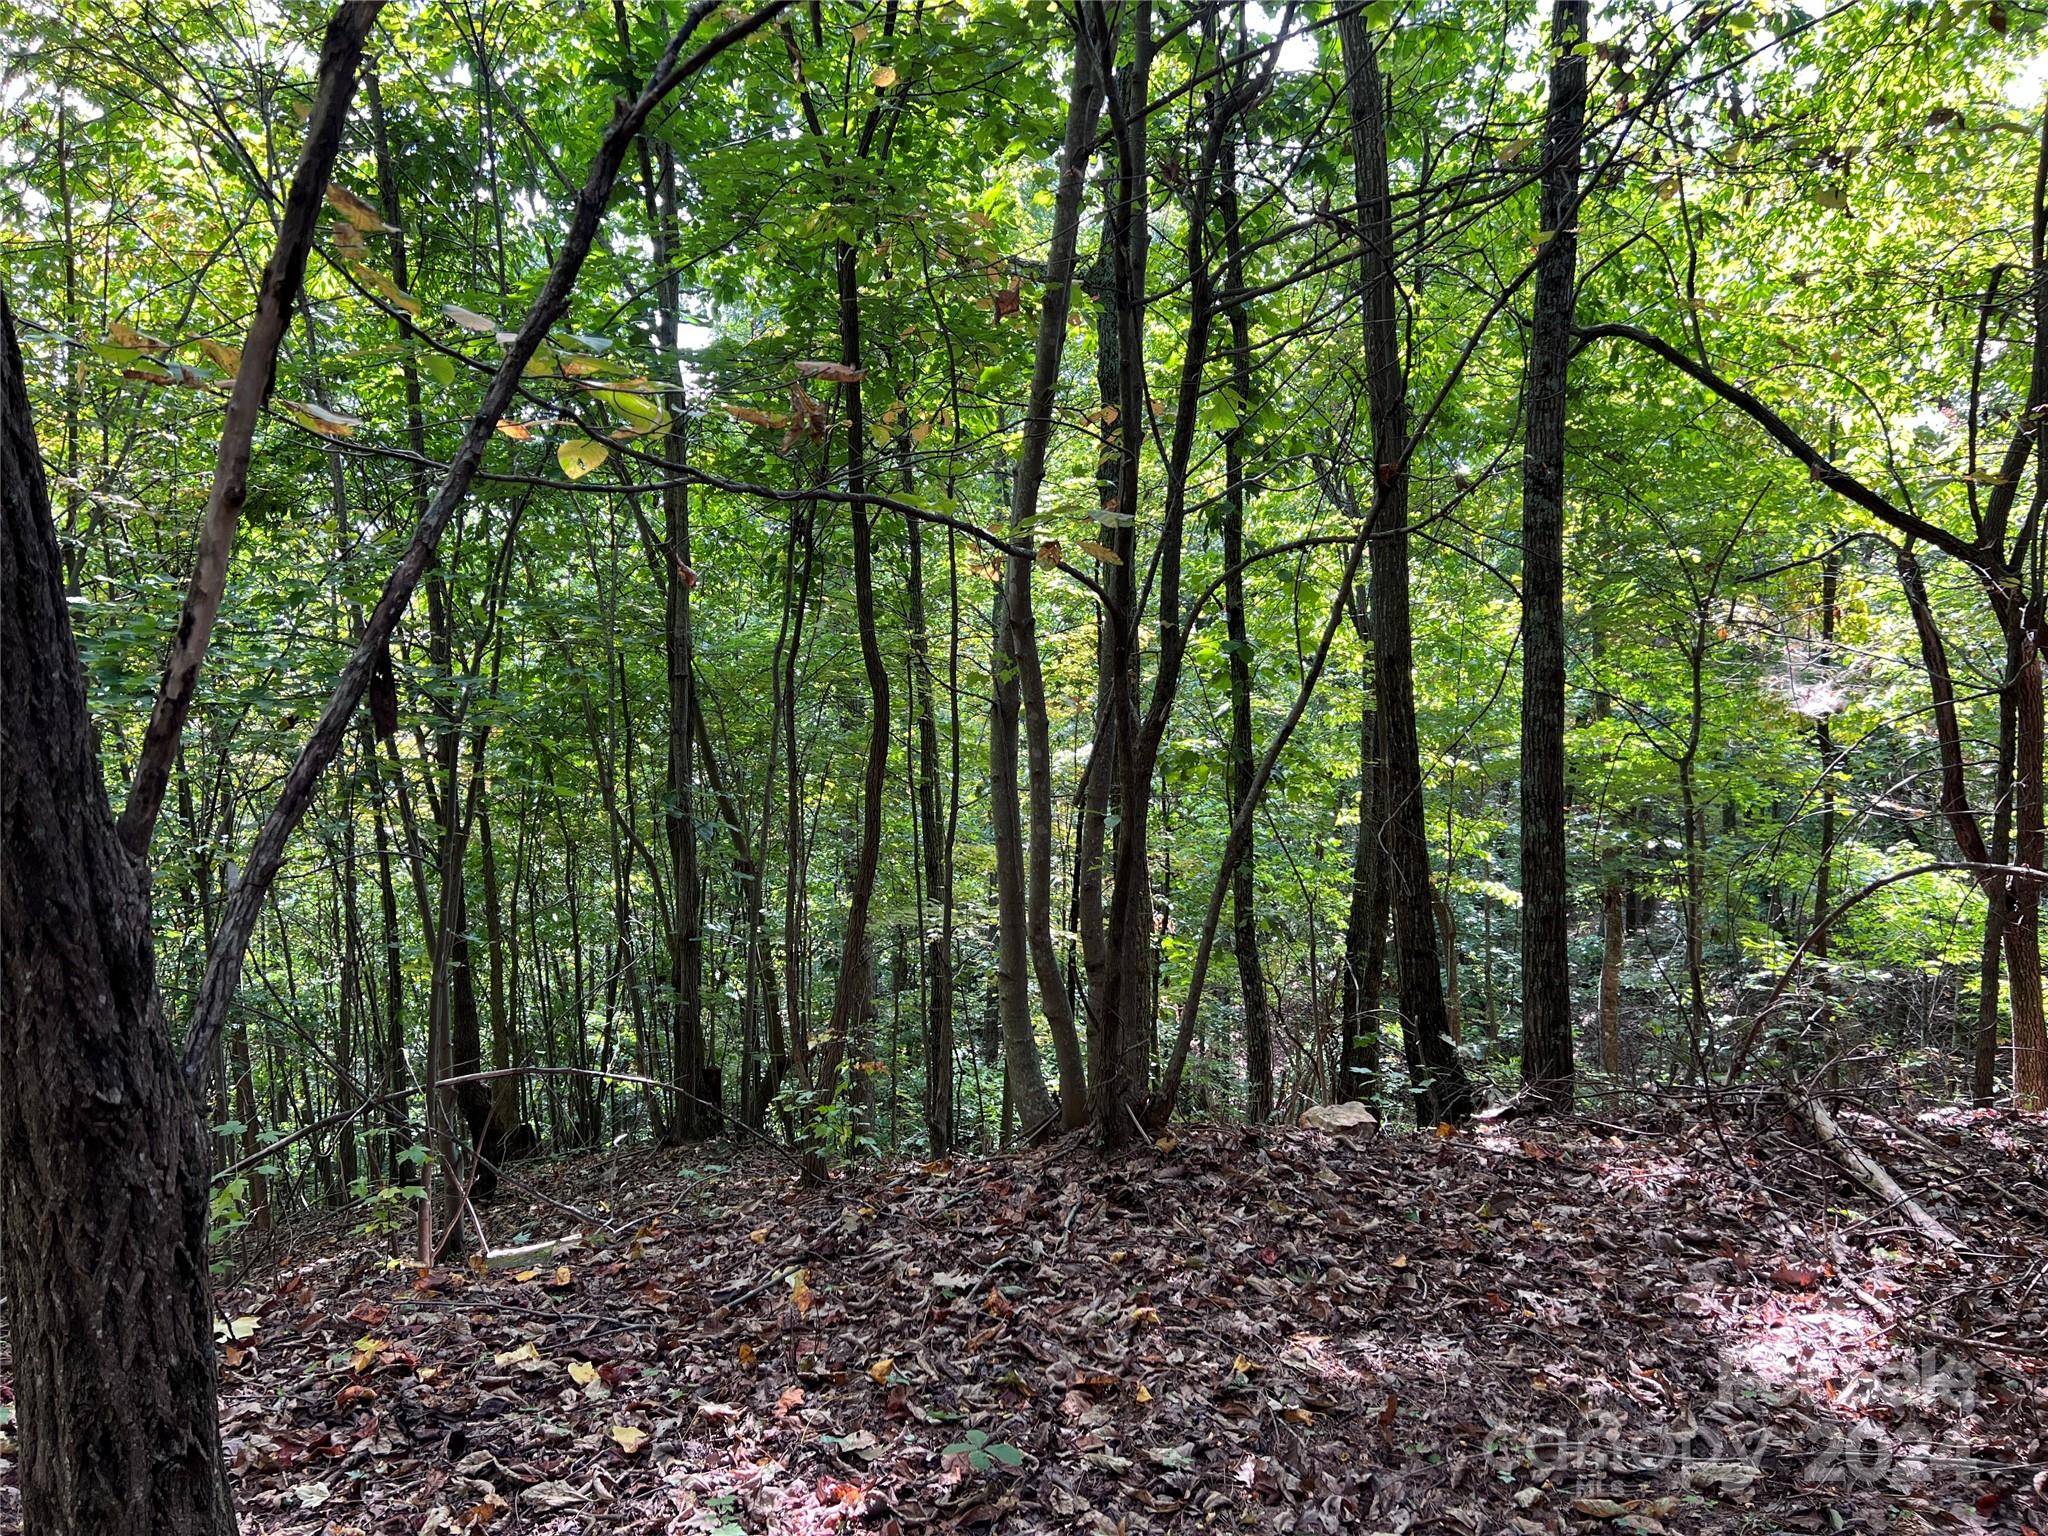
(122, 334)
(831, 373)
(227, 359)
(359, 213)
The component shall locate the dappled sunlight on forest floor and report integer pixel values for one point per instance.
(1629, 1328)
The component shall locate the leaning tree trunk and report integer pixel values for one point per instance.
(103, 1157)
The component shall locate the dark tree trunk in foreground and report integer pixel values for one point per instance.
(103, 1159)
(1441, 1090)
(1546, 978)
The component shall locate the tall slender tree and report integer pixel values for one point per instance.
(1546, 972)
(1442, 1091)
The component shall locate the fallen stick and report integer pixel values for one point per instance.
(1871, 1174)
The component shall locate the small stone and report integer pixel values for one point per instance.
(1338, 1118)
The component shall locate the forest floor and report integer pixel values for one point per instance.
(1660, 1326)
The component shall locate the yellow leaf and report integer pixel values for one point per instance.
(1244, 1365)
(1143, 1394)
(582, 1372)
(122, 334)
(748, 1354)
(515, 431)
(1445, 1130)
(1101, 552)
(801, 1296)
(629, 1438)
(358, 212)
(370, 277)
(885, 77)
(758, 1235)
(519, 1356)
(349, 241)
(227, 359)
(562, 1277)
(527, 1274)
(578, 457)
(317, 418)
(861, 32)
(878, 1373)
(1400, 1261)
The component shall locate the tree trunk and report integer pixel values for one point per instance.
(1365, 929)
(697, 1115)
(1984, 1062)
(850, 991)
(1120, 1034)
(936, 949)
(1546, 976)
(2023, 918)
(1824, 747)
(1442, 1090)
(1251, 977)
(1610, 976)
(103, 1156)
(1013, 967)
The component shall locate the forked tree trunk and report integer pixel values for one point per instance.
(103, 1157)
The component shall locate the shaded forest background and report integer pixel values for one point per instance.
(876, 699)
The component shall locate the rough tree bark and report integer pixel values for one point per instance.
(103, 1155)
(103, 1151)
(1442, 1091)
(1546, 975)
